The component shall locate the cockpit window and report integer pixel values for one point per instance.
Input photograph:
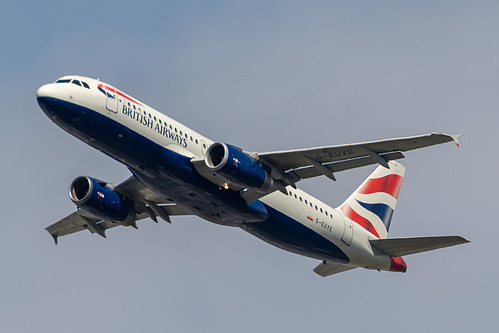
(74, 81)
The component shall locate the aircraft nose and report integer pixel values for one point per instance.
(46, 97)
(47, 90)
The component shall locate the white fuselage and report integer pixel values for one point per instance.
(139, 136)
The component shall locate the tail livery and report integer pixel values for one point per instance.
(372, 204)
(371, 208)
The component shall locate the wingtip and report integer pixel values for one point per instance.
(456, 138)
(55, 237)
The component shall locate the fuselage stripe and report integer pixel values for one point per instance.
(118, 92)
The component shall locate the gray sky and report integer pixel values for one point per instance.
(263, 75)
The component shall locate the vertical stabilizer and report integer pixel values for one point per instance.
(372, 204)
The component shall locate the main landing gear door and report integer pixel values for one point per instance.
(347, 231)
(112, 101)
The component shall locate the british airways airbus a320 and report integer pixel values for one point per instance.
(176, 171)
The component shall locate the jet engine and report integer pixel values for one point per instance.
(98, 199)
(236, 167)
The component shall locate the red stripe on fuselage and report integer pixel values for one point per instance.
(363, 222)
(119, 93)
(389, 184)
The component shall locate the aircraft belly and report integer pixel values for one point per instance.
(285, 232)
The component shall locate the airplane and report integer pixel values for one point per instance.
(177, 171)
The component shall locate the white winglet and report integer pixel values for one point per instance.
(456, 138)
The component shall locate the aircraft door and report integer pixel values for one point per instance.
(204, 147)
(347, 231)
(112, 101)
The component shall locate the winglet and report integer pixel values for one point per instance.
(54, 236)
(456, 138)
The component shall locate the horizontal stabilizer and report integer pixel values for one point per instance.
(328, 268)
(398, 247)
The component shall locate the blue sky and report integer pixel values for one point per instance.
(264, 76)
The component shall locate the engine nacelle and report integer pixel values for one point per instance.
(236, 167)
(98, 199)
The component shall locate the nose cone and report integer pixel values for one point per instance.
(47, 90)
(47, 96)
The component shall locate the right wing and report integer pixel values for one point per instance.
(147, 204)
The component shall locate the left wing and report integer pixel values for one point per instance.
(147, 204)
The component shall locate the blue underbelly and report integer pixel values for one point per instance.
(286, 233)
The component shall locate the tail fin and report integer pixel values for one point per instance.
(372, 204)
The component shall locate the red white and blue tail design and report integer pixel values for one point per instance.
(372, 204)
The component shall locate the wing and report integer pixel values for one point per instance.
(147, 204)
(306, 163)
(290, 166)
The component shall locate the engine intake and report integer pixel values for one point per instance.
(236, 167)
(98, 199)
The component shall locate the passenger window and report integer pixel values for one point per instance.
(76, 82)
